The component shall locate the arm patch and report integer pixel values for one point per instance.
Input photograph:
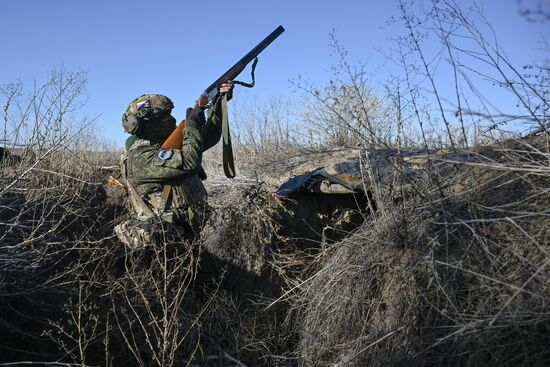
(165, 154)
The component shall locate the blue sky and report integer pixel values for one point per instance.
(177, 48)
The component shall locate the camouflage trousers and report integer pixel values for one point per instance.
(185, 226)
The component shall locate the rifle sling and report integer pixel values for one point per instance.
(166, 190)
(138, 200)
(228, 162)
(249, 85)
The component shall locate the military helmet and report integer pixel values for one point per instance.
(145, 108)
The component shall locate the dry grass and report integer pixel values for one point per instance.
(455, 279)
(449, 266)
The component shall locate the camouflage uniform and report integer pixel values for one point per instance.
(167, 182)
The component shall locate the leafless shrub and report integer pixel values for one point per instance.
(537, 12)
(346, 112)
(452, 267)
(449, 268)
(459, 286)
(76, 294)
(51, 212)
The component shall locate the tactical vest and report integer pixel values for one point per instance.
(175, 202)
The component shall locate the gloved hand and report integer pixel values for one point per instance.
(195, 117)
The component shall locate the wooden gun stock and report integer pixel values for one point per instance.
(175, 139)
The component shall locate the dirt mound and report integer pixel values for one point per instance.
(238, 238)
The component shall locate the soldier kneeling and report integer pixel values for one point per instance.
(165, 190)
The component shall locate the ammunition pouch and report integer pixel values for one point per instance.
(173, 203)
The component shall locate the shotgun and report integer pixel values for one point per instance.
(174, 141)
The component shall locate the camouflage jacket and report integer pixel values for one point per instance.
(149, 173)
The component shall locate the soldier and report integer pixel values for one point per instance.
(165, 187)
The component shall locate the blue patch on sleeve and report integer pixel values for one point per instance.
(165, 154)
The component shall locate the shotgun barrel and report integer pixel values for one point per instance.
(174, 141)
(241, 64)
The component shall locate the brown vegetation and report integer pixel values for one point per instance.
(443, 260)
